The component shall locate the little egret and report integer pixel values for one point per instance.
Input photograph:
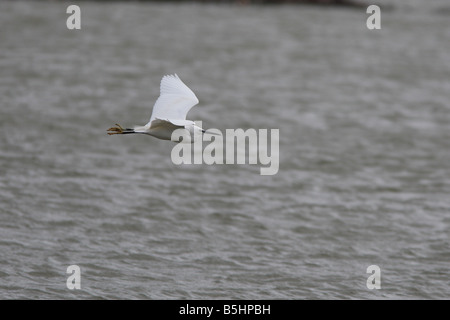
(169, 112)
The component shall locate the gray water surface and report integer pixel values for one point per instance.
(364, 175)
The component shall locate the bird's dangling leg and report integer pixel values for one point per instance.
(117, 130)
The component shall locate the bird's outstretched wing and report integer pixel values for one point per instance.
(175, 100)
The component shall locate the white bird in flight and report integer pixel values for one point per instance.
(169, 112)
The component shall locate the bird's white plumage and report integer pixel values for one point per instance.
(174, 102)
(169, 112)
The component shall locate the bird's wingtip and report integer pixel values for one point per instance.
(174, 75)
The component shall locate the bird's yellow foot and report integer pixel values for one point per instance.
(116, 130)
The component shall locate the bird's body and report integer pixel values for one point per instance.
(169, 112)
